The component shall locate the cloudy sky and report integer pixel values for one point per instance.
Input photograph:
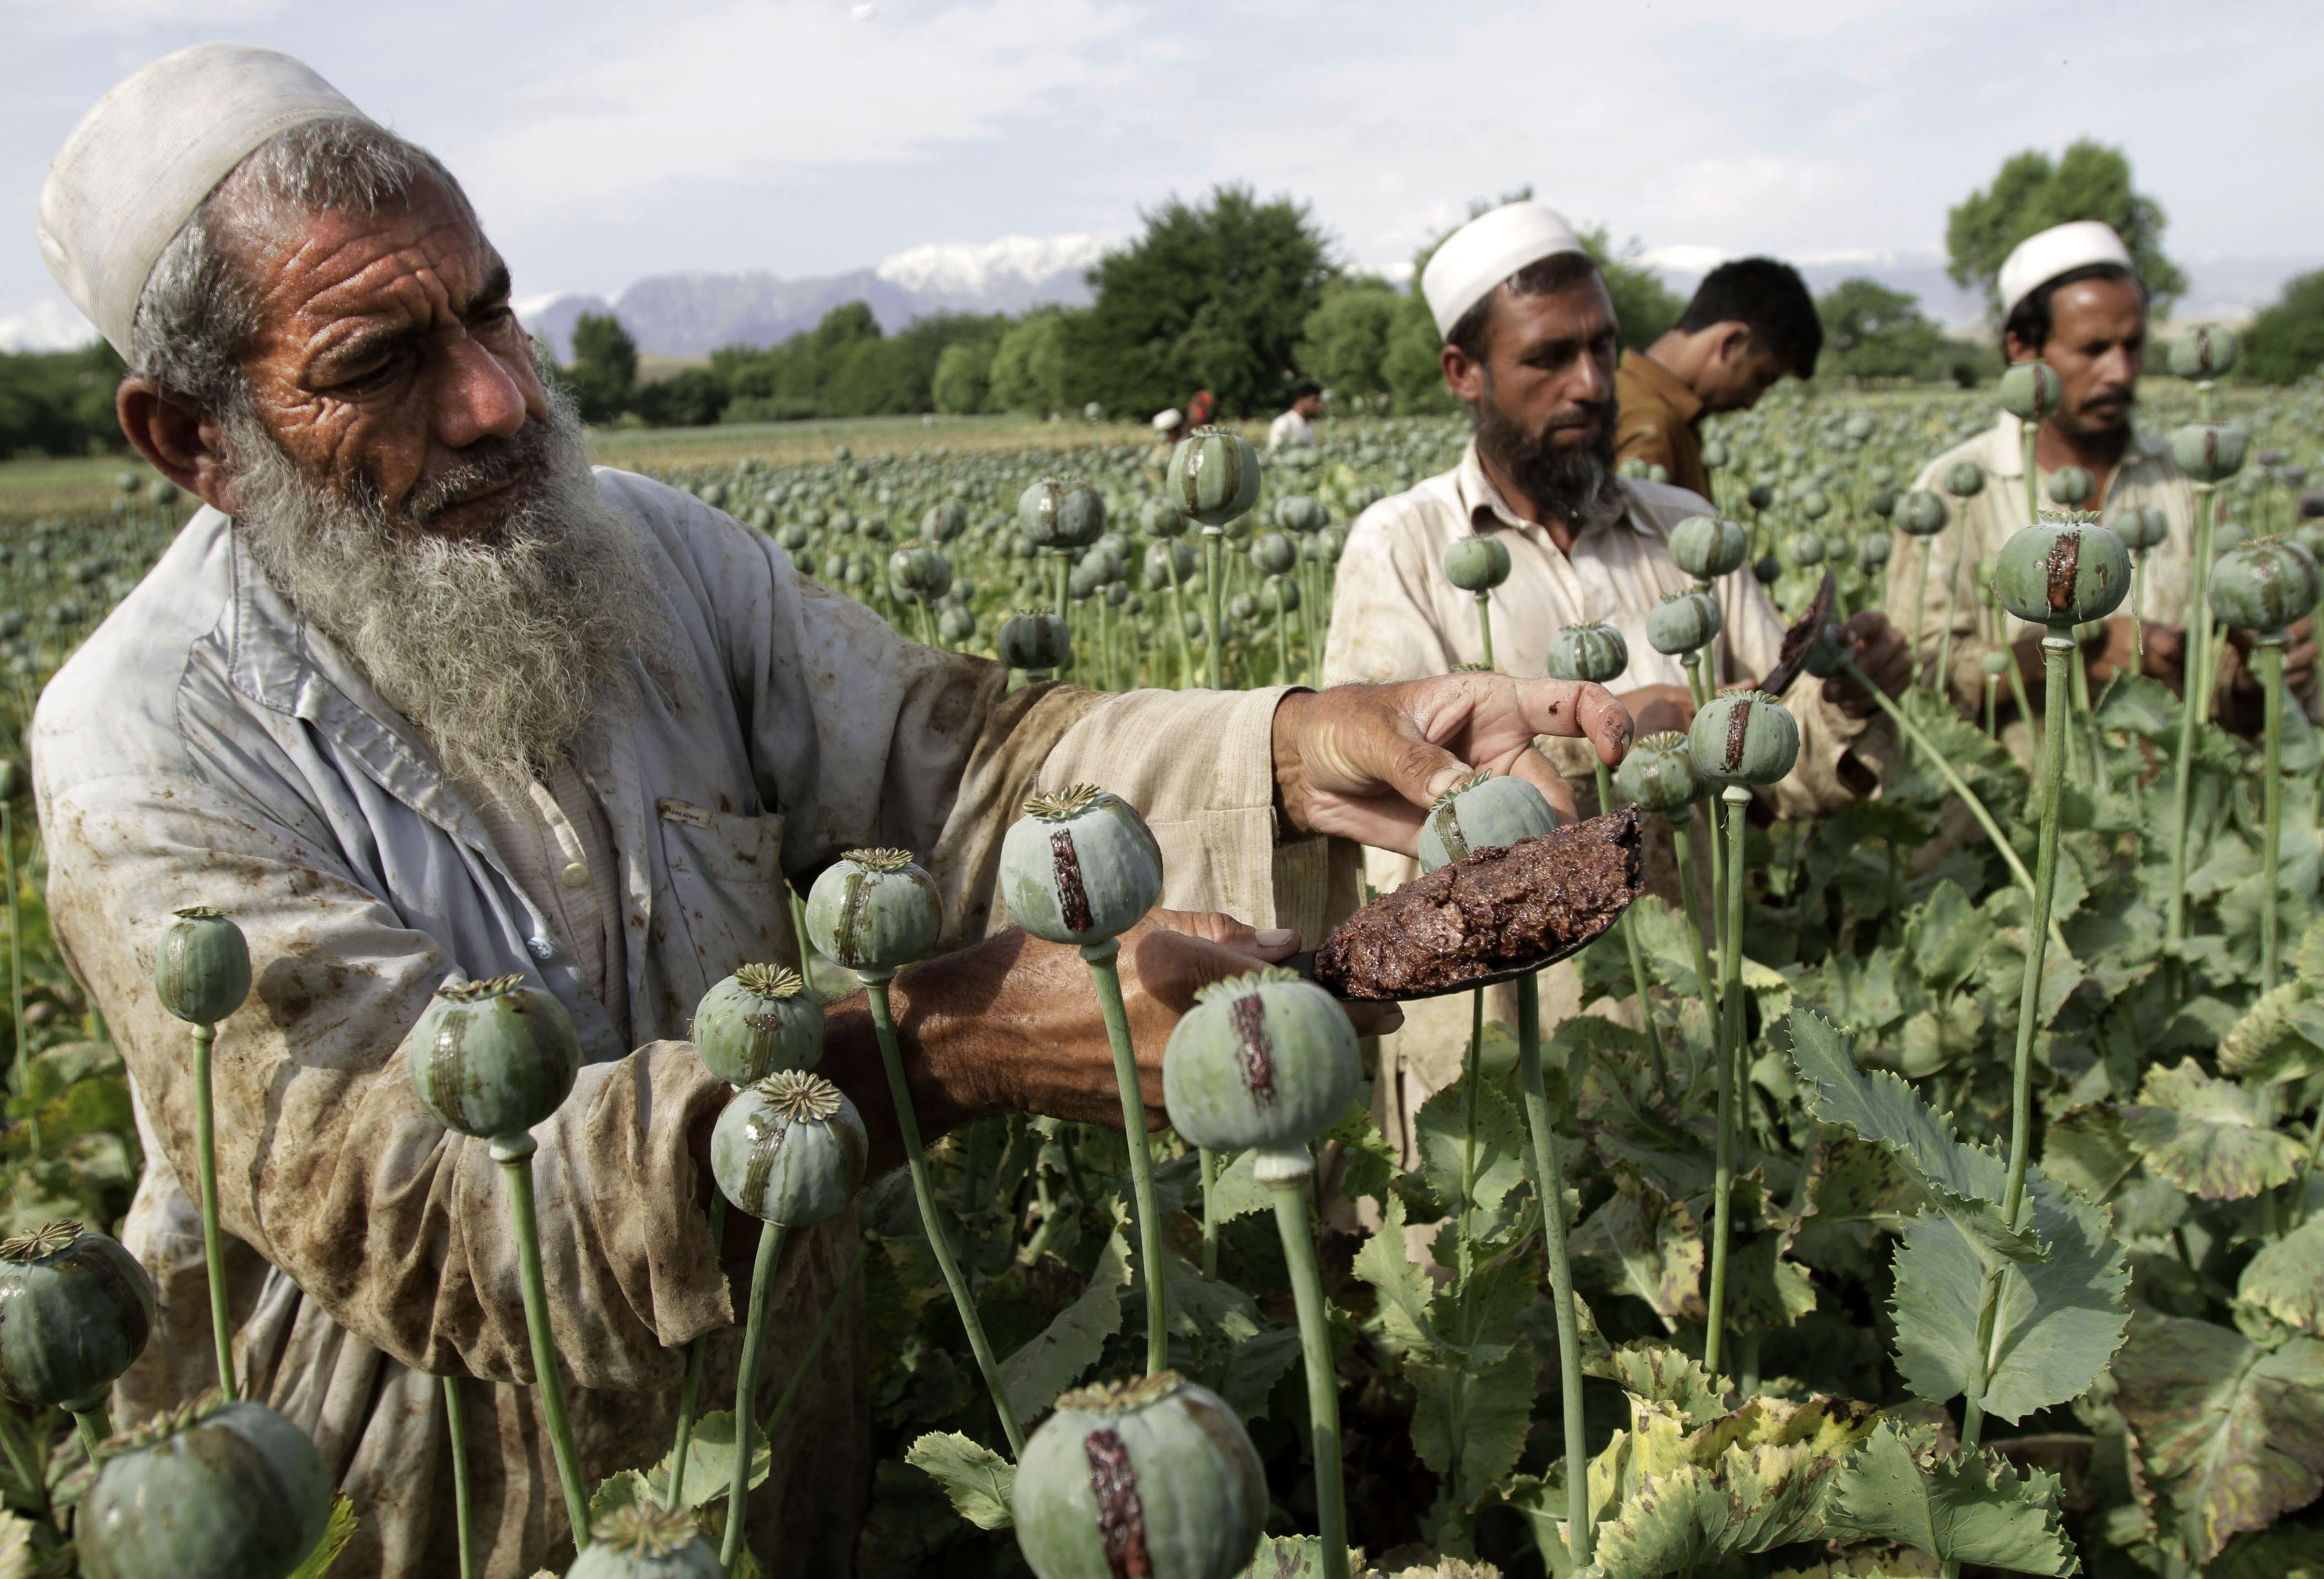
(605, 142)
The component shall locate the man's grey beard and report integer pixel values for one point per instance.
(499, 650)
(1575, 483)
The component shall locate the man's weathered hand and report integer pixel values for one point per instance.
(1880, 651)
(1656, 708)
(1365, 761)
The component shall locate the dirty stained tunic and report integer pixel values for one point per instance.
(1397, 616)
(207, 747)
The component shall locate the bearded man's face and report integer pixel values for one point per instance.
(406, 480)
(1543, 398)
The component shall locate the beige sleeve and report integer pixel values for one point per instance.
(1382, 628)
(1840, 758)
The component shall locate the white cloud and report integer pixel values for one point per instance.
(1684, 258)
(51, 325)
(974, 268)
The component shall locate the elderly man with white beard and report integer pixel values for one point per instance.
(418, 697)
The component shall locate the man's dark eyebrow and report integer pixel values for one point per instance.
(492, 292)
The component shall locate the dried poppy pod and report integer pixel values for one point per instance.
(201, 972)
(1685, 622)
(2062, 573)
(213, 1490)
(1743, 738)
(1061, 514)
(2209, 452)
(1477, 564)
(1964, 479)
(2205, 351)
(873, 912)
(646, 1541)
(1659, 774)
(2031, 391)
(1213, 477)
(1593, 654)
(1155, 1477)
(1080, 866)
(75, 1312)
(1263, 1060)
(1479, 811)
(760, 1019)
(494, 1057)
(1708, 545)
(789, 1149)
(2263, 585)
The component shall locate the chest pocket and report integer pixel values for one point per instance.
(725, 870)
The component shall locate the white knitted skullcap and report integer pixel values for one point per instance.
(1166, 420)
(2045, 254)
(1481, 255)
(139, 164)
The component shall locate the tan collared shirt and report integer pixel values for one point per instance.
(1982, 522)
(1657, 422)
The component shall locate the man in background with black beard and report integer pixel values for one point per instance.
(1529, 346)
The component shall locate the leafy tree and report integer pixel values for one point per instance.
(963, 377)
(2030, 193)
(1872, 332)
(60, 402)
(2286, 341)
(1029, 364)
(692, 397)
(1645, 307)
(1213, 296)
(605, 367)
(1412, 370)
(1344, 344)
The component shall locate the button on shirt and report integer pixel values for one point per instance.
(1395, 616)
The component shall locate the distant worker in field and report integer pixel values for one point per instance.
(1528, 344)
(1169, 427)
(421, 697)
(1201, 410)
(1296, 429)
(1751, 323)
(2069, 298)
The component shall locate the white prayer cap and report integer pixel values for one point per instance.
(2044, 255)
(1166, 420)
(139, 164)
(1476, 258)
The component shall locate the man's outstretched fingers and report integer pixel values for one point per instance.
(1603, 721)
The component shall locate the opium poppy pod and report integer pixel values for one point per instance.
(1080, 866)
(2063, 573)
(2209, 452)
(1264, 1059)
(1035, 637)
(1478, 813)
(1477, 564)
(1300, 513)
(75, 1312)
(1806, 547)
(873, 910)
(2072, 485)
(1685, 622)
(1923, 513)
(1964, 479)
(1274, 554)
(1061, 513)
(760, 1019)
(201, 973)
(1595, 654)
(2206, 351)
(2263, 585)
(2142, 527)
(2031, 391)
(1708, 545)
(213, 1490)
(789, 1149)
(1872, 553)
(1213, 477)
(647, 1541)
(1163, 519)
(494, 1057)
(1743, 738)
(1659, 774)
(1156, 1477)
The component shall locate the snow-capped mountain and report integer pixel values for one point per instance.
(693, 314)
